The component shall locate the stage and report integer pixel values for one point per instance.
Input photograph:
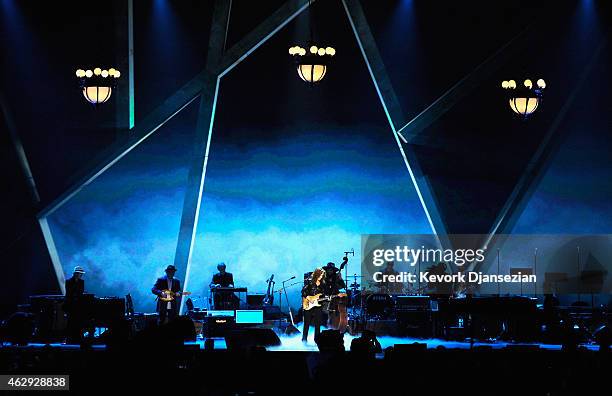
(190, 186)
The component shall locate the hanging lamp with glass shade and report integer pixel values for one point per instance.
(524, 99)
(312, 61)
(97, 85)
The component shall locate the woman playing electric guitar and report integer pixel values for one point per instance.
(311, 293)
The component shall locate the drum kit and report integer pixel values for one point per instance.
(377, 301)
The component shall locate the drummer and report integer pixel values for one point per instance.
(390, 287)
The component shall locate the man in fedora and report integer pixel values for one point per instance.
(167, 310)
(73, 305)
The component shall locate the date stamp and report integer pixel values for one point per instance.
(34, 382)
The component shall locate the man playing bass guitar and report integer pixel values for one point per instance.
(336, 308)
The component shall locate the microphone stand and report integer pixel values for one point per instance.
(287, 299)
(284, 289)
(346, 265)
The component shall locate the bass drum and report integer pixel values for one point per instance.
(379, 306)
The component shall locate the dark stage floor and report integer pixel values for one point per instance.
(294, 344)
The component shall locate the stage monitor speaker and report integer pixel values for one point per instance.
(248, 338)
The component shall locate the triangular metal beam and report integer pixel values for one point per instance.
(206, 84)
(391, 106)
(178, 101)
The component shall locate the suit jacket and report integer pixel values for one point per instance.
(224, 280)
(74, 291)
(161, 284)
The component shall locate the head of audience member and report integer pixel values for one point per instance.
(330, 341)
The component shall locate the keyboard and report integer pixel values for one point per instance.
(230, 289)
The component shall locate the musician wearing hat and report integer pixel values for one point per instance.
(333, 285)
(168, 292)
(75, 288)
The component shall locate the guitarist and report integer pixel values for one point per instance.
(333, 285)
(313, 316)
(167, 310)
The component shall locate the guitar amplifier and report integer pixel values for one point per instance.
(218, 326)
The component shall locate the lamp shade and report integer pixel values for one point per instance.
(97, 85)
(311, 73)
(524, 106)
(312, 64)
(97, 95)
(525, 98)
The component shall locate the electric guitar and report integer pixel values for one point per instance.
(310, 302)
(168, 295)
